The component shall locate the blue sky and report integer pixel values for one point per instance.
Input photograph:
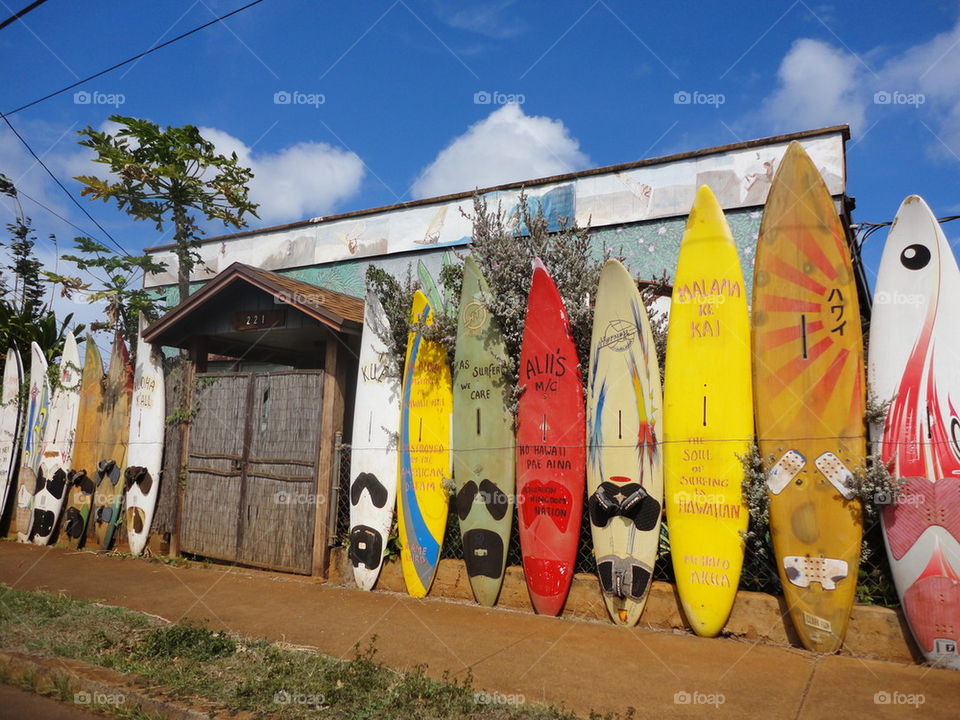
(383, 96)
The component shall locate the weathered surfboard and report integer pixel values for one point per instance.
(56, 454)
(117, 392)
(373, 451)
(809, 397)
(87, 448)
(38, 402)
(145, 442)
(625, 466)
(11, 423)
(424, 458)
(483, 444)
(708, 397)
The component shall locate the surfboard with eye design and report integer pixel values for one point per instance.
(625, 458)
(483, 443)
(424, 454)
(373, 451)
(917, 300)
(551, 456)
(809, 396)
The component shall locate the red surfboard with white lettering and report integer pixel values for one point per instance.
(551, 457)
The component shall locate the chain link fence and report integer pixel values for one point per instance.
(759, 574)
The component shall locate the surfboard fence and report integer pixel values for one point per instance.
(875, 584)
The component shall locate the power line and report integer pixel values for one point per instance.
(129, 60)
(866, 229)
(17, 15)
(53, 212)
(60, 184)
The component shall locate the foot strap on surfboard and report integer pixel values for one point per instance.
(785, 470)
(630, 501)
(137, 475)
(802, 570)
(623, 577)
(81, 480)
(837, 473)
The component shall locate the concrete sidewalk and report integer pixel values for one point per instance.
(583, 665)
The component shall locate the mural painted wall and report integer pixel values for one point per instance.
(658, 193)
(649, 250)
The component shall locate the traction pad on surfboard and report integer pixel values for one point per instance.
(43, 522)
(366, 547)
(630, 501)
(483, 553)
(802, 570)
(82, 480)
(786, 469)
(623, 577)
(368, 481)
(137, 475)
(931, 607)
(495, 500)
(839, 475)
(74, 524)
(56, 485)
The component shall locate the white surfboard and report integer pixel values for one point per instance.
(915, 362)
(56, 450)
(373, 459)
(11, 422)
(145, 446)
(38, 401)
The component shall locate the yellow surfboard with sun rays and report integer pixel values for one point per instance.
(708, 418)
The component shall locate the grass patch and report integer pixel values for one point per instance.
(184, 661)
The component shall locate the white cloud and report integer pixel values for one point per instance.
(818, 85)
(303, 180)
(491, 18)
(823, 85)
(506, 146)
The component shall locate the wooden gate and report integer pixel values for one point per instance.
(251, 474)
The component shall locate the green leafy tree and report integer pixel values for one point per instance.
(169, 176)
(116, 281)
(24, 316)
(28, 290)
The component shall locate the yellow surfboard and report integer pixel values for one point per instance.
(424, 458)
(708, 417)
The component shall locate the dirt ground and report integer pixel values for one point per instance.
(582, 665)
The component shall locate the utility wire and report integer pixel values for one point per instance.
(17, 15)
(60, 184)
(129, 60)
(866, 229)
(53, 212)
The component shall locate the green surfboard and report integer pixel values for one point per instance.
(483, 442)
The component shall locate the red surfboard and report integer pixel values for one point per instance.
(551, 458)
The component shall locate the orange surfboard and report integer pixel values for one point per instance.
(809, 398)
